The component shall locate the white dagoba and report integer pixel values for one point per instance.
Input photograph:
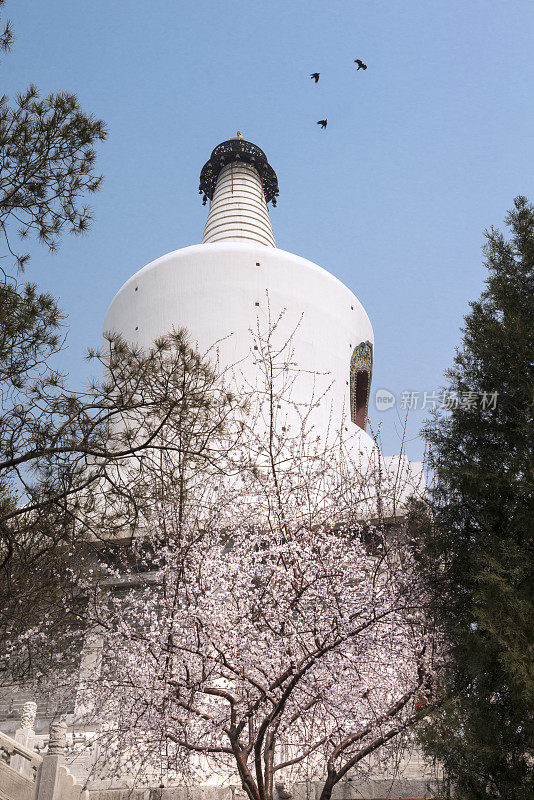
(237, 280)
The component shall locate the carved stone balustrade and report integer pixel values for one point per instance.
(9, 748)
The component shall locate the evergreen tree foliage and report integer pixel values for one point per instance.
(6, 35)
(47, 160)
(46, 165)
(477, 532)
(74, 465)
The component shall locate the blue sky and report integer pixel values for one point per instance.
(423, 150)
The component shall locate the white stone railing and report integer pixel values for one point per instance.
(26, 775)
(10, 749)
(18, 783)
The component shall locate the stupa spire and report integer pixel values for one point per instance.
(239, 182)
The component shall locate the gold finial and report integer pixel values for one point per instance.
(239, 136)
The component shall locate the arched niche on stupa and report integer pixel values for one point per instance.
(361, 370)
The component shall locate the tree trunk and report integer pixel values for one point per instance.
(326, 793)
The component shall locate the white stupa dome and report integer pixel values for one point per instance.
(238, 282)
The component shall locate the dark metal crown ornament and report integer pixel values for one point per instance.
(238, 149)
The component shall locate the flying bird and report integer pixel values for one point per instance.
(360, 64)
(315, 76)
(323, 123)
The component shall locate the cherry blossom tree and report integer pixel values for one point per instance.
(82, 468)
(276, 634)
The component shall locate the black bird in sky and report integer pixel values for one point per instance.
(360, 64)
(315, 76)
(323, 123)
